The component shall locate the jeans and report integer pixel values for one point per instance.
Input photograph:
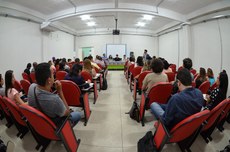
(157, 109)
(75, 117)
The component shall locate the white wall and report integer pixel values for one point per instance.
(207, 44)
(211, 45)
(22, 42)
(137, 44)
(58, 44)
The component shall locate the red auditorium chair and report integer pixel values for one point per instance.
(6, 113)
(138, 83)
(32, 76)
(180, 68)
(204, 87)
(86, 76)
(60, 75)
(213, 86)
(184, 133)
(193, 71)
(160, 92)
(125, 66)
(212, 121)
(173, 67)
(223, 117)
(17, 86)
(171, 76)
(44, 130)
(26, 76)
(75, 98)
(130, 68)
(133, 74)
(25, 85)
(17, 117)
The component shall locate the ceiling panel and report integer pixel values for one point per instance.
(186, 6)
(144, 2)
(45, 7)
(90, 2)
(107, 20)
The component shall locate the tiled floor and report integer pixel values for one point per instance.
(109, 129)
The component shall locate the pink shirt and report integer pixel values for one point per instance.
(11, 92)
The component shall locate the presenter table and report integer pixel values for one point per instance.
(116, 65)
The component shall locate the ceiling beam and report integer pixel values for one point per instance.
(122, 7)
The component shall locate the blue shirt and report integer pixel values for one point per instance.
(78, 80)
(182, 105)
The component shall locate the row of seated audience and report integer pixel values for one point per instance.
(189, 100)
(45, 82)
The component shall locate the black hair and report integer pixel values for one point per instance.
(8, 81)
(75, 70)
(187, 62)
(223, 78)
(0, 80)
(132, 59)
(42, 73)
(185, 77)
(62, 66)
(28, 66)
(90, 57)
(77, 60)
(157, 66)
(140, 61)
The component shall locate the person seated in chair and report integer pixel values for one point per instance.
(156, 76)
(181, 105)
(117, 58)
(75, 76)
(40, 97)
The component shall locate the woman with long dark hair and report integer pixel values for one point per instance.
(2, 90)
(74, 75)
(10, 91)
(220, 92)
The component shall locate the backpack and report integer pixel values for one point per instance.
(104, 84)
(134, 112)
(145, 144)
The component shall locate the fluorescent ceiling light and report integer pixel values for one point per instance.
(141, 24)
(148, 17)
(85, 17)
(91, 23)
(218, 16)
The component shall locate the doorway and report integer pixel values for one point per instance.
(86, 51)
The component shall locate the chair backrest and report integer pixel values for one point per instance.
(193, 84)
(131, 67)
(71, 92)
(188, 126)
(17, 85)
(171, 76)
(226, 110)
(141, 78)
(160, 92)
(193, 71)
(25, 85)
(3, 106)
(26, 76)
(204, 87)
(32, 76)
(215, 113)
(136, 71)
(86, 76)
(14, 110)
(39, 121)
(173, 67)
(60, 75)
(213, 86)
(180, 68)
